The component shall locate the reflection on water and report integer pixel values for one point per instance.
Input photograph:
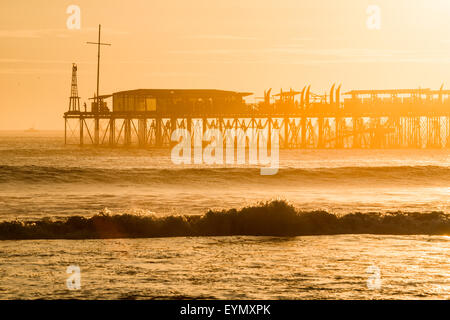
(318, 267)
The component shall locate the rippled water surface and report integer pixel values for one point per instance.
(42, 178)
(319, 267)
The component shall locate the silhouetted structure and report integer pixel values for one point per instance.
(98, 44)
(74, 100)
(177, 101)
(405, 118)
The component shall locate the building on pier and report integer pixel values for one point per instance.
(172, 101)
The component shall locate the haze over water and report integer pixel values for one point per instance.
(140, 227)
(42, 178)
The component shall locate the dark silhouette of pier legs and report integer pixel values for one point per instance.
(295, 131)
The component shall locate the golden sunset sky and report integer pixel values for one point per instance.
(243, 45)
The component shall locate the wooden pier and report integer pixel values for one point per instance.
(413, 118)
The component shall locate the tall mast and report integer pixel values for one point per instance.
(98, 43)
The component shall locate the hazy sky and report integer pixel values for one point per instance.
(244, 45)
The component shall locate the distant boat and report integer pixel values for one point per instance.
(31, 130)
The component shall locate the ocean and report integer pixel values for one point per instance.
(329, 225)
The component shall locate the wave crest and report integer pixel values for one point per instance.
(274, 218)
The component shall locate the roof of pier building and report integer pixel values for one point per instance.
(165, 93)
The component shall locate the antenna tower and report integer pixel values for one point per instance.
(74, 102)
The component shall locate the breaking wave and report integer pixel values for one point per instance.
(274, 218)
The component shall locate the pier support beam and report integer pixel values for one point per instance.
(65, 131)
(356, 132)
(96, 131)
(303, 132)
(112, 132)
(447, 131)
(142, 132)
(127, 132)
(339, 133)
(320, 143)
(173, 127)
(158, 132)
(189, 125)
(205, 124)
(81, 131)
(286, 133)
